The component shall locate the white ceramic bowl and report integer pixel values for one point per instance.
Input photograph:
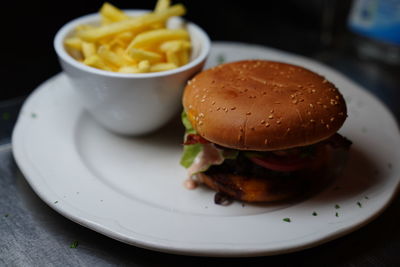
(131, 104)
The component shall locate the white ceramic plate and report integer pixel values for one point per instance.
(131, 189)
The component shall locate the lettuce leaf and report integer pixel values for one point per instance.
(190, 152)
(185, 121)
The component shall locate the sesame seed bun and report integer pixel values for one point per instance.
(263, 105)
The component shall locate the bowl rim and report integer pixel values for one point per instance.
(58, 44)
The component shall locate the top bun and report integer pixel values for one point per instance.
(263, 105)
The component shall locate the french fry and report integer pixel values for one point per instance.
(172, 57)
(184, 57)
(162, 67)
(109, 56)
(175, 45)
(111, 13)
(177, 51)
(135, 24)
(73, 43)
(152, 38)
(129, 69)
(132, 44)
(88, 49)
(144, 66)
(139, 54)
(96, 62)
(162, 5)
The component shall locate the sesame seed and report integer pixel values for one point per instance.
(292, 96)
(312, 120)
(324, 81)
(190, 106)
(202, 100)
(272, 111)
(200, 123)
(325, 106)
(213, 103)
(263, 121)
(313, 90)
(337, 97)
(319, 103)
(248, 113)
(332, 119)
(327, 126)
(301, 100)
(278, 122)
(266, 141)
(201, 115)
(270, 116)
(233, 108)
(308, 112)
(311, 106)
(267, 124)
(218, 108)
(294, 101)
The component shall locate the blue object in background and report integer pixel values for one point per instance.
(376, 19)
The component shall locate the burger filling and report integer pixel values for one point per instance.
(202, 156)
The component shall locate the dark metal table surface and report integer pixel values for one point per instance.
(32, 234)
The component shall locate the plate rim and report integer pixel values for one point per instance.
(27, 172)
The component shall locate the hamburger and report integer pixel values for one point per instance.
(260, 131)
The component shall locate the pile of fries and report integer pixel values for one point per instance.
(128, 44)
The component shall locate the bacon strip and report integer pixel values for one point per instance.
(192, 139)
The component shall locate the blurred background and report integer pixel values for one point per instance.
(305, 27)
(314, 28)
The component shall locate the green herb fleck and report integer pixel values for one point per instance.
(6, 215)
(74, 244)
(337, 214)
(337, 206)
(359, 204)
(33, 115)
(6, 116)
(314, 213)
(221, 59)
(55, 202)
(286, 220)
